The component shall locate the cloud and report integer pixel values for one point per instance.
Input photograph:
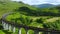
(54, 2)
(32, 2)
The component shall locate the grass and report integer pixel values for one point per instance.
(52, 19)
(12, 6)
(1, 32)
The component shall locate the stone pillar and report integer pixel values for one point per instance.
(7, 27)
(27, 32)
(4, 25)
(36, 32)
(10, 28)
(14, 29)
(19, 31)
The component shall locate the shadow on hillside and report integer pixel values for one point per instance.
(29, 12)
(6, 32)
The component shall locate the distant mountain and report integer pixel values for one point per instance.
(44, 5)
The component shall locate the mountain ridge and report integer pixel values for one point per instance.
(44, 5)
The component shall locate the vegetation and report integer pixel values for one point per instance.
(53, 25)
(30, 16)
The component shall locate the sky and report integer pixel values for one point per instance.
(36, 2)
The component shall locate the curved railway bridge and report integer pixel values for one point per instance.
(11, 26)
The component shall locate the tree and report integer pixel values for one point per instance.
(21, 2)
(24, 8)
(39, 20)
(53, 25)
(24, 20)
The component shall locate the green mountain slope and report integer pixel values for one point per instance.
(28, 15)
(6, 6)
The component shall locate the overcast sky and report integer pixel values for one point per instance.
(36, 2)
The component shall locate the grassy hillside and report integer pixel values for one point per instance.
(28, 15)
(31, 16)
(8, 6)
